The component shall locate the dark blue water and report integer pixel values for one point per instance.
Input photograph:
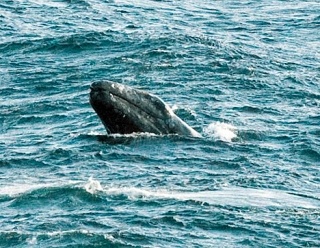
(245, 74)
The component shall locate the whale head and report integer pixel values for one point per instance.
(123, 109)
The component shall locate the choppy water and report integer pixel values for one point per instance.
(243, 73)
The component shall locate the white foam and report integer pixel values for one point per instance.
(18, 189)
(49, 3)
(21, 188)
(95, 133)
(134, 135)
(174, 108)
(136, 193)
(234, 196)
(32, 241)
(93, 186)
(222, 131)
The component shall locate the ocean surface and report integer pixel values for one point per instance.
(245, 74)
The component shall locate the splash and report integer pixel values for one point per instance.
(222, 131)
(93, 186)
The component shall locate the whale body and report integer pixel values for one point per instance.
(123, 109)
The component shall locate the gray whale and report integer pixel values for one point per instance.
(123, 109)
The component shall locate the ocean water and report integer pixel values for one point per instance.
(245, 74)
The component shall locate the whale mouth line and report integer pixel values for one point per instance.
(137, 106)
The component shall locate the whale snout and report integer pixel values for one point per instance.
(99, 86)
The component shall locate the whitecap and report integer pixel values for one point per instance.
(233, 196)
(93, 186)
(32, 241)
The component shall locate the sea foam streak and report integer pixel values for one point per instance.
(17, 189)
(234, 196)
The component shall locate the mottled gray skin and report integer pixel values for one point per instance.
(124, 110)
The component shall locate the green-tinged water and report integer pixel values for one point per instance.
(245, 74)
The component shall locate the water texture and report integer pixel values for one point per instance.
(245, 74)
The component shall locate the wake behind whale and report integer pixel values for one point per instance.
(123, 109)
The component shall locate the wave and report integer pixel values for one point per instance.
(109, 215)
(69, 238)
(233, 196)
(73, 42)
(20, 189)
